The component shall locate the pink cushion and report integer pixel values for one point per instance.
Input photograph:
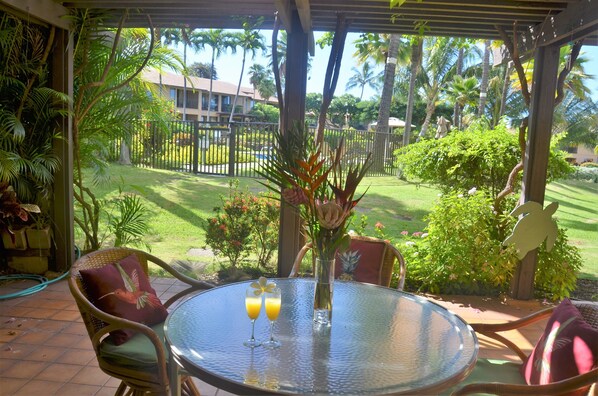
(123, 289)
(568, 347)
(369, 255)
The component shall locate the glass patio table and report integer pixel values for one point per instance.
(382, 341)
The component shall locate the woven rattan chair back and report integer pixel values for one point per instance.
(391, 255)
(98, 323)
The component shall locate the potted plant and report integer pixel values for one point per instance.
(39, 234)
(13, 216)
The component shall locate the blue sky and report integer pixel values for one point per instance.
(229, 66)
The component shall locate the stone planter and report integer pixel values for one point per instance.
(39, 238)
(29, 264)
(15, 241)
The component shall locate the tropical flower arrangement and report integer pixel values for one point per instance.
(314, 182)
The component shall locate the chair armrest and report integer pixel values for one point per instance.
(491, 330)
(556, 388)
(194, 284)
(295, 270)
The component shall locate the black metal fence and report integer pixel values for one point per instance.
(239, 151)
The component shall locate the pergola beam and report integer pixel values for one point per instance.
(577, 21)
(42, 10)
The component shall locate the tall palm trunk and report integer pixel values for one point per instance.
(232, 110)
(505, 91)
(430, 109)
(458, 72)
(385, 101)
(185, 83)
(211, 81)
(416, 50)
(484, 82)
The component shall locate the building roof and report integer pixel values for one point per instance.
(219, 87)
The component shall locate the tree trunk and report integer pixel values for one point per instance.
(416, 50)
(185, 84)
(232, 110)
(211, 80)
(505, 92)
(458, 71)
(430, 108)
(125, 154)
(385, 100)
(484, 82)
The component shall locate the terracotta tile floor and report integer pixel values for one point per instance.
(45, 350)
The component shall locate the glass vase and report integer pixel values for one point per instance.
(324, 280)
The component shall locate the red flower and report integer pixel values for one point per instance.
(379, 226)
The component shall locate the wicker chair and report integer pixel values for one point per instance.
(386, 268)
(483, 384)
(141, 363)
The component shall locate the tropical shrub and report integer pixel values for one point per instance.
(479, 156)
(461, 252)
(244, 223)
(584, 173)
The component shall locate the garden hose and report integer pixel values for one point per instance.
(43, 281)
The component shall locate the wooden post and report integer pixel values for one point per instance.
(290, 241)
(62, 81)
(546, 63)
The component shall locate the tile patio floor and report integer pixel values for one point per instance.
(45, 349)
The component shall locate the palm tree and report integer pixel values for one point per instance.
(176, 36)
(484, 82)
(416, 51)
(250, 40)
(363, 77)
(464, 92)
(219, 41)
(109, 98)
(385, 100)
(261, 79)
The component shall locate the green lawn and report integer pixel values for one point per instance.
(179, 202)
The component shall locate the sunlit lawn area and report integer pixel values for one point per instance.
(178, 203)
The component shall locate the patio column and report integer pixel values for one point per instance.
(62, 80)
(290, 241)
(546, 63)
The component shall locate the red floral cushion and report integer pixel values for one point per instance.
(363, 259)
(568, 347)
(123, 289)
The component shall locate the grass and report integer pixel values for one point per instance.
(178, 203)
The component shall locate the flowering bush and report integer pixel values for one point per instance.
(243, 223)
(316, 184)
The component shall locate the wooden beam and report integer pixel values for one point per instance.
(43, 10)
(580, 19)
(304, 11)
(290, 240)
(546, 64)
(284, 13)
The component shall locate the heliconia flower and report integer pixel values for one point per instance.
(294, 196)
(379, 226)
(330, 214)
(472, 191)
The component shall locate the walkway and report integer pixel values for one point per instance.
(45, 349)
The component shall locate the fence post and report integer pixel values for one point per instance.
(196, 147)
(232, 146)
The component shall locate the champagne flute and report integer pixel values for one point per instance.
(253, 305)
(273, 301)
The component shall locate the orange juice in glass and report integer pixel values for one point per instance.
(253, 305)
(273, 302)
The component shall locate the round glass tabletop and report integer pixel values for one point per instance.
(382, 341)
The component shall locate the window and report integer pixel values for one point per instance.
(204, 101)
(192, 99)
(572, 149)
(226, 103)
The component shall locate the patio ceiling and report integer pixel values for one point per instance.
(458, 18)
